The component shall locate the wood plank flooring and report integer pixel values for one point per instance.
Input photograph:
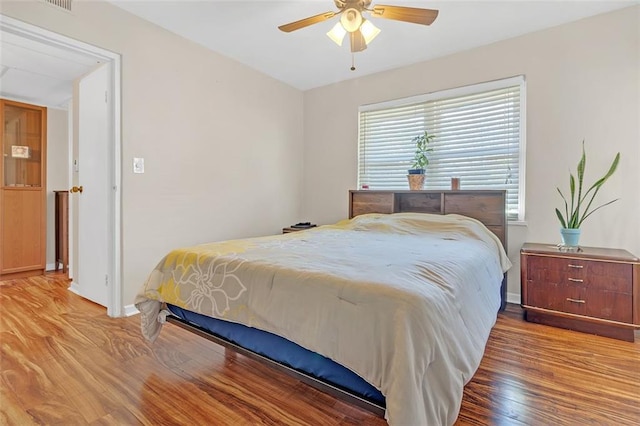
(63, 361)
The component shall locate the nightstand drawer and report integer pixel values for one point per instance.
(592, 274)
(579, 300)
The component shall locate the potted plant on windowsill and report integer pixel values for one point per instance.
(580, 207)
(415, 174)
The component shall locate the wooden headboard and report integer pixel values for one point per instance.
(487, 206)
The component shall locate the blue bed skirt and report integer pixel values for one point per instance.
(285, 352)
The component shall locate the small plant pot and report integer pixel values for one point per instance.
(416, 182)
(570, 237)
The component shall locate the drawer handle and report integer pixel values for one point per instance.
(576, 266)
(575, 300)
(576, 280)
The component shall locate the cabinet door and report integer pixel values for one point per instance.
(371, 202)
(420, 201)
(22, 230)
(23, 146)
(22, 188)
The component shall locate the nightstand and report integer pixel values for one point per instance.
(593, 290)
(292, 229)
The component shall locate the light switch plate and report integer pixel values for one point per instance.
(138, 165)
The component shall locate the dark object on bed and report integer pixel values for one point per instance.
(304, 225)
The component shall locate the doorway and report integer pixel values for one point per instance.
(107, 281)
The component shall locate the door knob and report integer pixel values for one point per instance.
(76, 189)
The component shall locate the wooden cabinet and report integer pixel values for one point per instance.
(594, 290)
(22, 189)
(62, 229)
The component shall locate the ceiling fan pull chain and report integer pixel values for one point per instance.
(353, 61)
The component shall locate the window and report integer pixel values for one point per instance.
(479, 137)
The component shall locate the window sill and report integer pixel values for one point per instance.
(517, 223)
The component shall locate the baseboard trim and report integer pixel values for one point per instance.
(513, 298)
(130, 310)
(74, 288)
(50, 267)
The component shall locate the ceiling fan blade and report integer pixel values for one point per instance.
(292, 26)
(357, 41)
(405, 14)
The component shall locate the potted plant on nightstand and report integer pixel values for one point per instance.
(580, 207)
(415, 174)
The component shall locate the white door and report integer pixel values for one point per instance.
(92, 280)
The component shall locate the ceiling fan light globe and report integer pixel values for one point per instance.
(369, 31)
(337, 33)
(351, 19)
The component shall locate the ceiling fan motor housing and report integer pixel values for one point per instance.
(358, 4)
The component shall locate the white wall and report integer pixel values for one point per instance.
(221, 142)
(582, 83)
(57, 170)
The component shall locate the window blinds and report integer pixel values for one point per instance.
(477, 138)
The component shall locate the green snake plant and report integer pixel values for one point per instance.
(579, 208)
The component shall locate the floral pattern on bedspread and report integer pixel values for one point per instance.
(210, 285)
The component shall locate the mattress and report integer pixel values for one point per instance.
(284, 352)
(406, 301)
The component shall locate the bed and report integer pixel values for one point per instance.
(392, 307)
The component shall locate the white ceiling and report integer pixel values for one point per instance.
(247, 31)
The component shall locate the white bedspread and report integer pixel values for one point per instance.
(406, 301)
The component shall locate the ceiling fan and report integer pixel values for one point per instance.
(360, 30)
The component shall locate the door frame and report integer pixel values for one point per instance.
(114, 162)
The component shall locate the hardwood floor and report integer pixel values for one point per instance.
(63, 361)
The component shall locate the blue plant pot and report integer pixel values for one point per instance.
(570, 237)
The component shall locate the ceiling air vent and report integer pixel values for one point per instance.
(62, 4)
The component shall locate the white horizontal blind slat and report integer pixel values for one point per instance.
(477, 139)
